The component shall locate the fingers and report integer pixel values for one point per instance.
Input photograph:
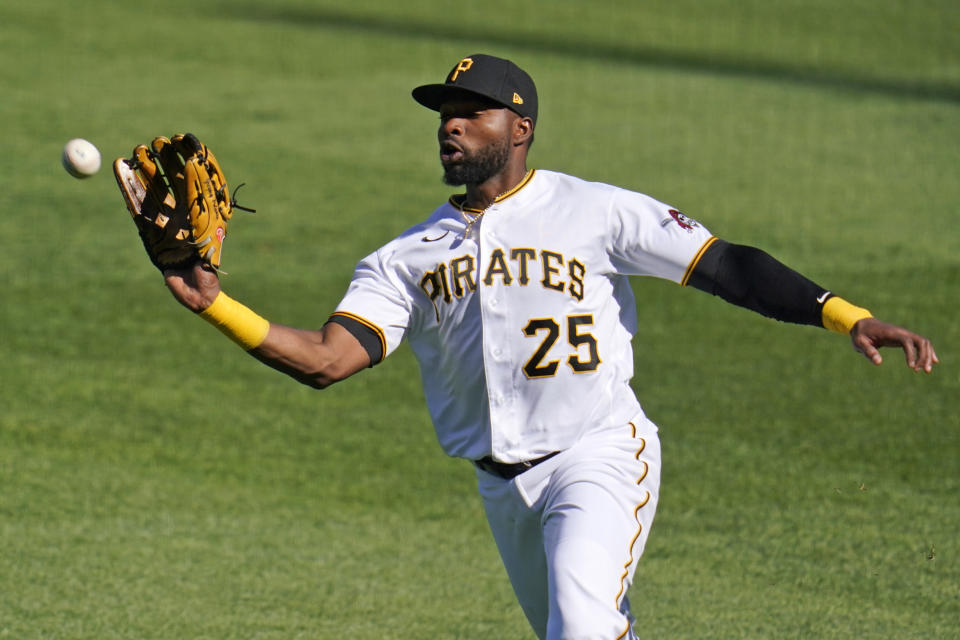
(156, 185)
(188, 145)
(869, 351)
(165, 152)
(144, 161)
(210, 176)
(910, 353)
(925, 356)
(918, 352)
(869, 335)
(172, 164)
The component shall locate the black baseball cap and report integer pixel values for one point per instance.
(488, 76)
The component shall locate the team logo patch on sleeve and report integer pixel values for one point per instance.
(687, 224)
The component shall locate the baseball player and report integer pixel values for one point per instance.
(514, 297)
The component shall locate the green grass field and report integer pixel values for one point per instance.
(157, 483)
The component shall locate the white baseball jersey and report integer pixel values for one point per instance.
(521, 321)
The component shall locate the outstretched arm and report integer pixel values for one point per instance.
(751, 278)
(317, 358)
(180, 203)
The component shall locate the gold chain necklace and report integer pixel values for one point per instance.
(469, 218)
(472, 218)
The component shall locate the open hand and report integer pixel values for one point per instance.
(869, 334)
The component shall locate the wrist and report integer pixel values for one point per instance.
(201, 302)
(840, 316)
(236, 321)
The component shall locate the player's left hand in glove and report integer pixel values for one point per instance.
(178, 198)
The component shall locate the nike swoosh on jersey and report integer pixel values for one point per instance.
(426, 239)
(822, 298)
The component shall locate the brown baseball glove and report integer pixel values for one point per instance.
(177, 195)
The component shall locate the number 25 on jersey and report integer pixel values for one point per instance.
(585, 356)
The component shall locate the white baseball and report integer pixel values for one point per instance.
(81, 158)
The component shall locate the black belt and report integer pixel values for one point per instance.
(509, 470)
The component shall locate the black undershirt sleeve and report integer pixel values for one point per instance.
(366, 336)
(751, 278)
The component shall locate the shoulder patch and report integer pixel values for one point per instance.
(687, 224)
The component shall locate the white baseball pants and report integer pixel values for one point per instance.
(571, 530)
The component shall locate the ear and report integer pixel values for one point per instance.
(522, 130)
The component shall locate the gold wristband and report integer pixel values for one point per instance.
(236, 321)
(840, 316)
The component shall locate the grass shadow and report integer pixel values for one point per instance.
(612, 52)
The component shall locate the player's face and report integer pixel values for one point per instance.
(474, 138)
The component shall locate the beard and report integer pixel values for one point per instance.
(479, 166)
